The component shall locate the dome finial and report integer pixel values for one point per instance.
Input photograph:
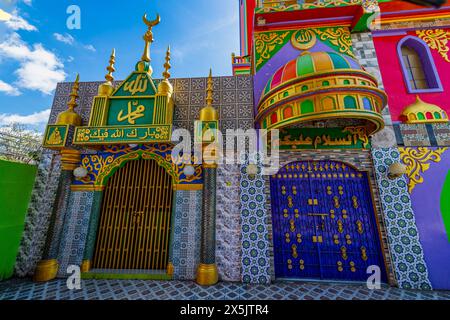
(209, 113)
(112, 60)
(209, 90)
(74, 94)
(70, 116)
(148, 36)
(167, 66)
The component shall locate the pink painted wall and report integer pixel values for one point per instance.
(394, 84)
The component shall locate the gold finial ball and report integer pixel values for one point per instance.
(165, 87)
(105, 89)
(208, 113)
(69, 117)
(144, 66)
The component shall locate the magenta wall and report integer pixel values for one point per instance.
(394, 84)
(428, 203)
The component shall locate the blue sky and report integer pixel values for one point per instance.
(37, 50)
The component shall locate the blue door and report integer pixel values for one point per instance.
(324, 224)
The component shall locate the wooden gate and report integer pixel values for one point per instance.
(134, 230)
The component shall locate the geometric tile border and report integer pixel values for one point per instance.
(406, 250)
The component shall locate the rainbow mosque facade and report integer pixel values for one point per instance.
(359, 91)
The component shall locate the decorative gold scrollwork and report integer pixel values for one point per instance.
(359, 224)
(266, 43)
(336, 239)
(349, 239)
(292, 223)
(336, 202)
(294, 251)
(355, 202)
(436, 39)
(352, 266)
(299, 238)
(364, 253)
(289, 264)
(302, 265)
(340, 266)
(288, 237)
(344, 253)
(340, 226)
(290, 202)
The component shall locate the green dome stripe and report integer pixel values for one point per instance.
(305, 65)
(268, 86)
(338, 61)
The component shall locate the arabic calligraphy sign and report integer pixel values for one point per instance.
(324, 138)
(122, 134)
(131, 112)
(56, 136)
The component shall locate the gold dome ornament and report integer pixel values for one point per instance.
(165, 87)
(70, 117)
(107, 88)
(208, 113)
(144, 64)
(423, 112)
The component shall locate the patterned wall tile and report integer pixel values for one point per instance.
(255, 235)
(403, 235)
(186, 242)
(442, 133)
(414, 135)
(228, 223)
(38, 216)
(76, 223)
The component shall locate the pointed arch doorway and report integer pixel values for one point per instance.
(135, 219)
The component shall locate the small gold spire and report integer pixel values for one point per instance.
(74, 94)
(148, 36)
(167, 66)
(112, 60)
(209, 90)
(70, 116)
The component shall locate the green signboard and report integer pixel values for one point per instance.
(324, 138)
(123, 112)
(56, 136)
(122, 134)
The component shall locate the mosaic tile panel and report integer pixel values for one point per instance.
(442, 133)
(187, 290)
(414, 135)
(228, 223)
(75, 229)
(38, 216)
(186, 242)
(403, 235)
(255, 235)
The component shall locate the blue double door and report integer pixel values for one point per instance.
(324, 224)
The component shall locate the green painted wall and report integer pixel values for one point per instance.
(445, 204)
(16, 184)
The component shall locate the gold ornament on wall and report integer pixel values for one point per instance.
(266, 43)
(339, 37)
(436, 39)
(303, 39)
(417, 162)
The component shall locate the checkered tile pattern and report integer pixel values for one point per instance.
(186, 290)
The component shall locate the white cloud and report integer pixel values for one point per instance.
(39, 68)
(31, 119)
(90, 47)
(15, 22)
(4, 16)
(9, 89)
(66, 38)
(28, 2)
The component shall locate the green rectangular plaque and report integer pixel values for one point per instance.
(56, 136)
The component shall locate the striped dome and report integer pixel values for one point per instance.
(308, 64)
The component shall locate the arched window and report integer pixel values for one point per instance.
(273, 118)
(287, 113)
(350, 102)
(307, 107)
(367, 104)
(419, 71)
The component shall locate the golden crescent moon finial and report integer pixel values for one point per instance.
(153, 23)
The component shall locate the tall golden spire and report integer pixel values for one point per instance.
(112, 60)
(208, 113)
(209, 90)
(70, 116)
(148, 36)
(167, 66)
